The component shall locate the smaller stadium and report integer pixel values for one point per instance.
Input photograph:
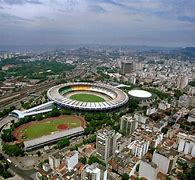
(87, 96)
(38, 133)
(143, 96)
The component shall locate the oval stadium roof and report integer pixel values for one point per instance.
(140, 93)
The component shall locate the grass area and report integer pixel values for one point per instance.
(87, 98)
(45, 127)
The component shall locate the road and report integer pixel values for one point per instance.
(4, 121)
(25, 174)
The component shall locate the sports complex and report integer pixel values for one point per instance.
(39, 133)
(87, 96)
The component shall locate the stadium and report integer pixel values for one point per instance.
(87, 96)
(143, 96)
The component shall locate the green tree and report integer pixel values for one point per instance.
(133, 105)
(12, 150)
(62, 143)
(193, 172)
(125, 176)
(83, 160)
(7, 135)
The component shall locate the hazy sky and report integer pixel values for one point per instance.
(110, 22)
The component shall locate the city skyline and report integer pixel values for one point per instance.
(105, 22)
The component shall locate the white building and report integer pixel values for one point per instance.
(94, 172)
(140, 118)
(139, 148)
(150, 111)
(182, 82)
(128, 124)
(106, 143)
(186, 144)
(71, 159)
(148, 170)
(163, 105)
(165, 160)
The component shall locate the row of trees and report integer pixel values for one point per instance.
(63, 143)
(6, 111)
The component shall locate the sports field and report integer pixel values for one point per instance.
(48, 126)
(87, 97)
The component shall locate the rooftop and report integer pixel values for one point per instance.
(140, 93)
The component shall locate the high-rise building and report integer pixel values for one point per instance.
(127, 67)
(106, 143)
(186, 144)
(71, 159)
(148, 170)
(165, 160)
(128, 124)
(182, 82)
(54, 160)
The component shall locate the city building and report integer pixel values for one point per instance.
(68, 158)
(139, 148)
(94, 171)
(106, 143)
(140, 118)
(127, 67)
(55, 160)
(186, 101)
(71, 159)
(191, 117)
(124, 162)
(128, 124)
(186, 144)
(165, 160)
(87, 150)
(163, 105)
(114, 176)
(182, 82)
(148, 170)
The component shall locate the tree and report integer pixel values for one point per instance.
(137, 168)
(54, 113)
(133, 105)
(83, 160)
(125, 176)
(66, 112)
(7, 135)
(193, 172)
(1, 157)
(12, 150)
(62, 143)
(94, 159)
(164, 130)
(177, 93)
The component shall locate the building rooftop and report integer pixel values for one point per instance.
(140, 93)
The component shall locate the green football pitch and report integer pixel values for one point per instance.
(87, 97)
(37, 129)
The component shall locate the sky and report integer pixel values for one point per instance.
(169, 23)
